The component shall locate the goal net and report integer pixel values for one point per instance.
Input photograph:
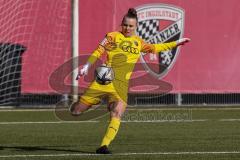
(35, 39)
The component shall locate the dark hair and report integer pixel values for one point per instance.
(132, 13)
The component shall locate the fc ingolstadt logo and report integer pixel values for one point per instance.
(160, 23)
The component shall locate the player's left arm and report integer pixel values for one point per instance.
(156, 48)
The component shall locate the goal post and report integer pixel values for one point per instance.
(75, 47)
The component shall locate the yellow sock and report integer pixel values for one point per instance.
(111, 131)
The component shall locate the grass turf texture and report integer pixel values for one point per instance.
(173, 134)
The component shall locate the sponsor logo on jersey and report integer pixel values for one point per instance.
(127, 46)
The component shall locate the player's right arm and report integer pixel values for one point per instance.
(91, 60)
(97, 53)
(105, 45)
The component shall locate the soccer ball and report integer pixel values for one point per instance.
(104, 74)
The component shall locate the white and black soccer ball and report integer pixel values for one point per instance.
(104, 74)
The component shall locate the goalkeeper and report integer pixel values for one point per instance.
(123, 50)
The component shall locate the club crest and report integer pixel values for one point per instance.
(160, 23)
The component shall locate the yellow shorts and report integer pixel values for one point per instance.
(113, 92)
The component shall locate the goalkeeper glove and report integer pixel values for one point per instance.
(182, 41)
(83, 71)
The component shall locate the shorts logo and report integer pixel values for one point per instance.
(160, 23)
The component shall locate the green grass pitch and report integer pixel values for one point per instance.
(146, 134)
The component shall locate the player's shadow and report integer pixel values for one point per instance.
(43, 148)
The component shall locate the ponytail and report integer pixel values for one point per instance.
(132, 13)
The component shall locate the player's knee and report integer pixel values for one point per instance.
(118, 110)
(116, 114)
(78, 108)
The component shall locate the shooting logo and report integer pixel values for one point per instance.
(160, 23)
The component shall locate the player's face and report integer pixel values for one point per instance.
(129, 26)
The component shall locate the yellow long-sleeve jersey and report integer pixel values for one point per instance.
(123, 53)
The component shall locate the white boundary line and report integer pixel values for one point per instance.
(26, 110)
(129, 108)
(56, 122)
(156, 121)
(164, 121)
(229, 120)
(118, 154)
